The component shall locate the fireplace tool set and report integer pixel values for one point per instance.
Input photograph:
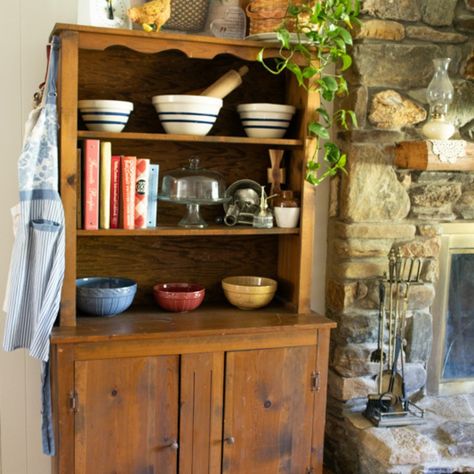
(390, 405)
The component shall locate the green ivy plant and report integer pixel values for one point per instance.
(316, 52)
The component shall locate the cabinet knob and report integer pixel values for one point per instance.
(230, 440)
(174, 445)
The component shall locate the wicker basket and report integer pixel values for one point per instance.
(266, 15)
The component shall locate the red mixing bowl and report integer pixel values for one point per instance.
(178, 297)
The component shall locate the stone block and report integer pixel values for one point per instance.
(430, 270)
(375, 135)
(356, 100)
(464, 23)
(467, 68)
(397, 65)
(461, 110)
(398, 446)
(460, 436)
(415, 377)
(343, 388)
(374, 230)
(444, 213)
(421, 296)
(464, 207)
(469, 4)
(381, 29)
(454, 407)
(419, 336)
(438, 12)
(429, 230)
(390, 110)
(435, 195)
(441, 176)
(361, 199)
(360, 269)
(334, 186)
(407, 10)
(340, 295)
(467, 132)
(361, 247)
(425, 33)
(353, 360)
(421, 247)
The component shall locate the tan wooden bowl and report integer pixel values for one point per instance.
(249, 292)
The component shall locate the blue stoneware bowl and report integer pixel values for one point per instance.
(105, 296)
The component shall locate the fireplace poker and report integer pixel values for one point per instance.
(391, 276)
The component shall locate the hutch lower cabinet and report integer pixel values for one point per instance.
(218, 389)
(196, 394)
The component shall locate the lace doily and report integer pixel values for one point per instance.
(448, 151)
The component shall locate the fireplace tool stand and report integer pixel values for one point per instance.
(390, 405)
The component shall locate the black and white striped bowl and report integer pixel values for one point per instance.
(105, 115)
(187, 114)
(262, 120)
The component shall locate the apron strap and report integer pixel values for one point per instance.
(50, 92)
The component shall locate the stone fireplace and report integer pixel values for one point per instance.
(377, 207)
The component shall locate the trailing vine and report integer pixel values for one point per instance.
(314, 41)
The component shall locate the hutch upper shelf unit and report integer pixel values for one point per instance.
(218, 389)
(100, 63)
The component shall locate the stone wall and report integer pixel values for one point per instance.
(376, 207)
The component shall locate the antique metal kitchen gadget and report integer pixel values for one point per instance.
(193, 186)
(390, 405)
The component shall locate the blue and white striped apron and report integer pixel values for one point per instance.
(37, 263)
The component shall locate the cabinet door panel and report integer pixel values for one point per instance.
(127, 415)
(200, 434)
(268, 411)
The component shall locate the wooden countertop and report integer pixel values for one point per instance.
(152, 323)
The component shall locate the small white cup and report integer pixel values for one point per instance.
(286, 216)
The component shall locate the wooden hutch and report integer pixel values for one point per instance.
(217, 389)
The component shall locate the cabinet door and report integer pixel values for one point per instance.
(127, 415)
(268, 410)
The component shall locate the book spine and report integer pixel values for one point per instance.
(91, 184)
(141, 193)
(115, 192)
(105, 173)
(153, 195)
(129, 164)
(79, 188)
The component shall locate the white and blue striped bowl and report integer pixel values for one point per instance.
(187, 114)
(262, 120)
(105, 115)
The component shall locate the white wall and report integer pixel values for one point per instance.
(23, 36)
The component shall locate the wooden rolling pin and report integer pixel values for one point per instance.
(226, 83)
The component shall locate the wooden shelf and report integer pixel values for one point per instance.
(418, 155)
(207, 320)
(165, 137)
(170, 231)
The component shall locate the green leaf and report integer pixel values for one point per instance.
(345, 35)
(328, 95)
(353, 118)
(293, 10)
(283, 36)
(332, 153)
(318, 130)
(309, 72)
(260, 55)
(324, 114)
(296, 70)
(330, 82)
(346, 62)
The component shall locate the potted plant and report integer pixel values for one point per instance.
(314, 40)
